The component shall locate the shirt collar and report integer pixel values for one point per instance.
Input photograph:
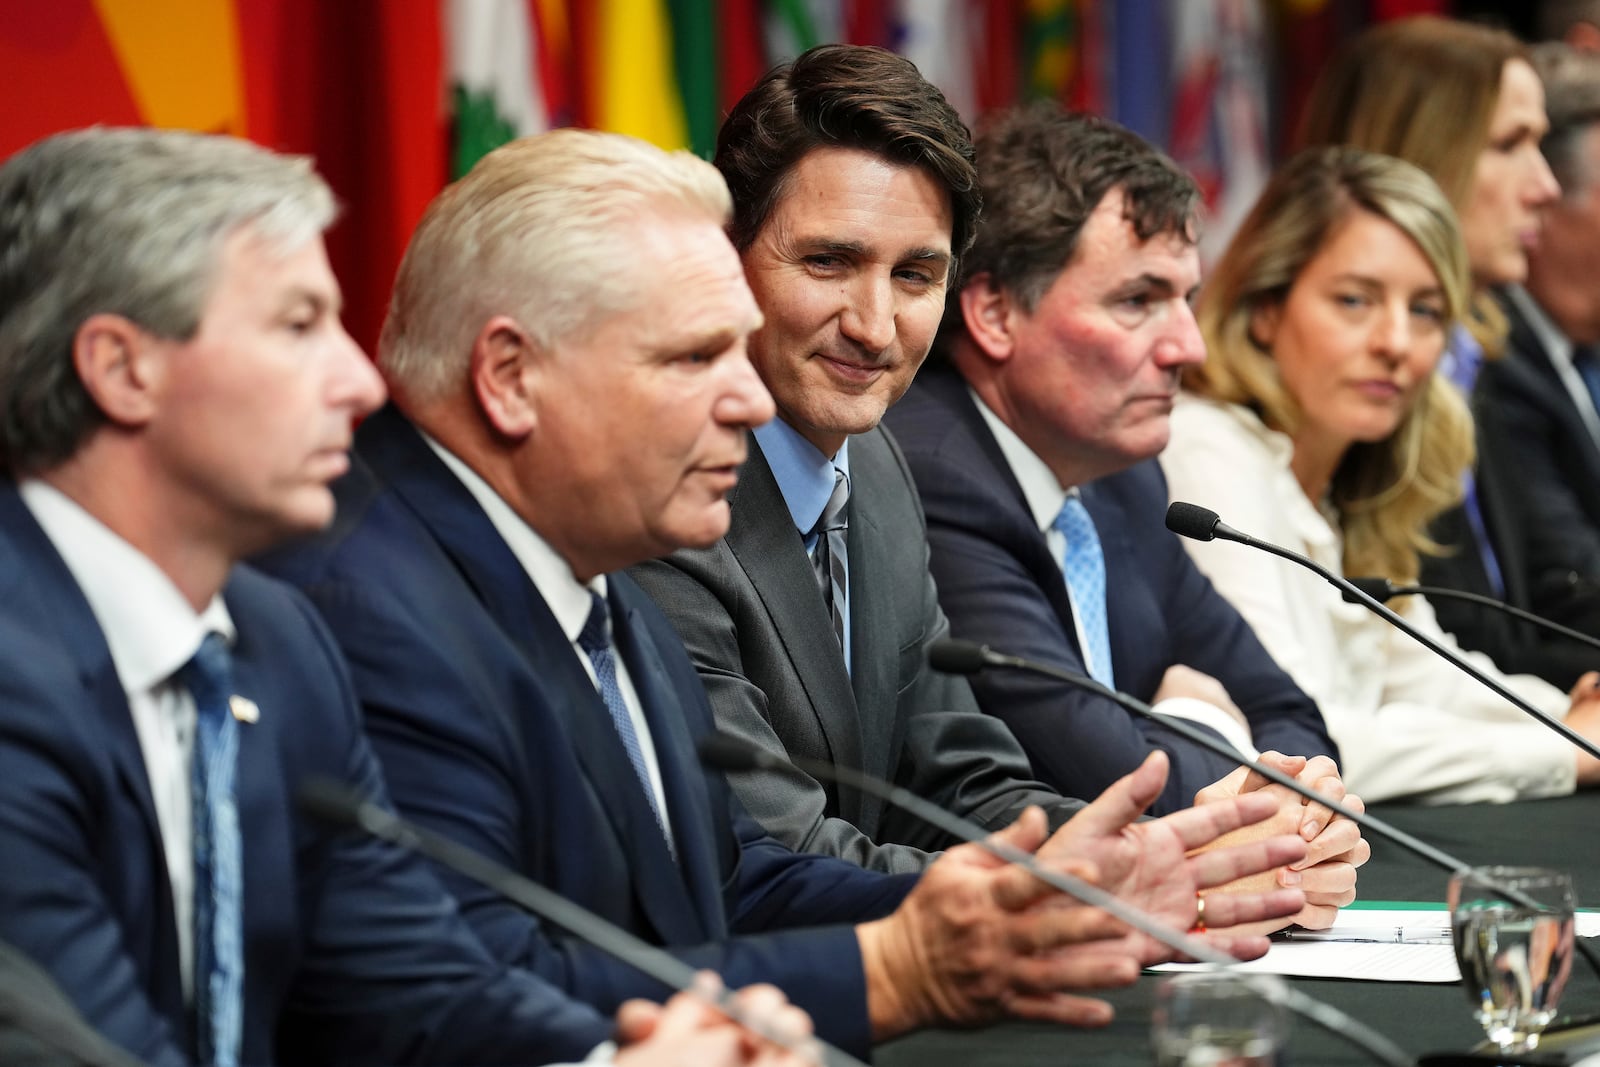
(804, 475)
(1040, 487)
(1555, 343)
(552, 576)
(148, 625)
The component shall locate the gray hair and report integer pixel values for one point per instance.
(1572, 99)
(129, 222)
(540, 230)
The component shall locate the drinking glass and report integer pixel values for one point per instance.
(1219, 1018)
(1515, 955)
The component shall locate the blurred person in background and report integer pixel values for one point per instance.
(1464, 103)
(1318, 422)
(1539, 407)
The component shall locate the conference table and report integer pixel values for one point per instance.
(1419, 1018)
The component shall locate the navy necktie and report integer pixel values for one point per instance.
(1084, 567)
(830, 558)
(595, 640)
(1584, 358)
(218, 861)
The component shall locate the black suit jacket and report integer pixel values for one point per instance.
(491, 732)
(1538, 478)
(1000, 585)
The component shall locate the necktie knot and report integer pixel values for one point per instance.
(209, 674)
(596, 633)
(834, 516)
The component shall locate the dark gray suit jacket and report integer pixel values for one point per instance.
(751, 614)
(1538, 476)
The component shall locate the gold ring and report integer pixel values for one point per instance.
(1200, 915)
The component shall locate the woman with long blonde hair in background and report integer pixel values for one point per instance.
(1318, 422)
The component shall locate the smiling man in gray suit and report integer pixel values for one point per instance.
(854, 195)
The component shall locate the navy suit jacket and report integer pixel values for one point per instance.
(1000, 585)
(353, 953)
(491, 732)
(1538, 478)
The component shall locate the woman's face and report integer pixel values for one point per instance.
(1511, 184)
(1358, 334)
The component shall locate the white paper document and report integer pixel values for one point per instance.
(1374, 945)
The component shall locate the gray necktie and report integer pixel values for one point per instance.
(830, 558)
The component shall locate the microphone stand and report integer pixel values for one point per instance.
(729, 753)
(1382, 589)
(1202, 524)
(335, 802)
(1189, 520)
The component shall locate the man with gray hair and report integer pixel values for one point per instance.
(176, 392)
(1538, 409)
(566, 348)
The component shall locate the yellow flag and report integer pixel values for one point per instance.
(637, 88)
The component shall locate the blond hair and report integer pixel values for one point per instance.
(539, 230)
(1386, 492)
(1424, 90)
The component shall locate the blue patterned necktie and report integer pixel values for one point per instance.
(218, 873)
(595, 640)
(1085, 571)
(1462, 361)
(830, 558)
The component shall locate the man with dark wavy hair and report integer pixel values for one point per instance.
(1032, 443)
(854, 198)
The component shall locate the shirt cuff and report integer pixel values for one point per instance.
(1206, 714)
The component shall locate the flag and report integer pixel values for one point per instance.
(635, 91)
(938, 36)
(1218, 125)
(496, 91)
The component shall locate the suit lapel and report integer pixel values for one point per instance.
(769, 550)
(1524, 342)
(875, 679)
(682, 781)
(992, 468)
(35, 583)
(448, 510)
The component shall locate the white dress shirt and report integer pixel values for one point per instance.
(568, 599)
(152, 632)
(1045, 496)
(1408, 724)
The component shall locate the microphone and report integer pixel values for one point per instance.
(966, 657)
(1202, 524)
(1382, 589)
(726, 753)
(336, 803)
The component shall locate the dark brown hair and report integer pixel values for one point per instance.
(1044, 171)
(843, 96)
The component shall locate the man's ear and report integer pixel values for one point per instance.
(990, 316)
(121, 367)
(504, 364)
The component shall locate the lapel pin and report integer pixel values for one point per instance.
(244, 709)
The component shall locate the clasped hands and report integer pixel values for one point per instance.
(980, 939)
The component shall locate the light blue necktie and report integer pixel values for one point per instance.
(1085, 571)
(595, 640)
(218, 862)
